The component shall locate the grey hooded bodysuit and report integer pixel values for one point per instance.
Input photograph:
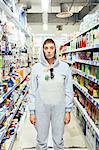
(50, 100)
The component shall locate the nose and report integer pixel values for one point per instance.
(49, 50)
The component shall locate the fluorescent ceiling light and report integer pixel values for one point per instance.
(45, 4)
(45, 27)
(45, 21)
(45, 17)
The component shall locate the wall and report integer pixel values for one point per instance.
(38, 29)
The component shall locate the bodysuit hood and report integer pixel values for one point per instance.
(44, 62)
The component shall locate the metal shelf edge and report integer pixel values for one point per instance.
(87, 117)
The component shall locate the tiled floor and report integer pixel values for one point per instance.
(73, 137)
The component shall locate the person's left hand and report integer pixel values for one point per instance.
(67, 118)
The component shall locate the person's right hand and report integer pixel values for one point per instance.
(33, 119)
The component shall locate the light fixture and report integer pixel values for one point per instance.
(64, 11)
(44, 4)
(45, 21)
(45, 27)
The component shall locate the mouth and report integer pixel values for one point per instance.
(49, 55)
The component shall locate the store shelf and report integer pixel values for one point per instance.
(2, 117)
(9, 142)
(68, 61)
(11, 90)
(11, 16)
(91, 78)
(9, 120)
(8, 93)
(21, 122)
(82, 49)
(85, 92)
(95, 25)
(86, 116)
(89, 62)
(8, 124)
(6, 9)
(2, 133)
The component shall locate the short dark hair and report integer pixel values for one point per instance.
(50, 41)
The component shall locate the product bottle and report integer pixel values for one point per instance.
(88, 39)
(82, 80)
(90, 88)
(97, 72)
(96, 91)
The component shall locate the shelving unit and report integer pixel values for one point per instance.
(83, 49)
(12, 17)
(20, 125)
(3, 131)
(2, 117)
(79, 61)
(90, 77)
(10, 141)
(89, 62)
(12, 54)
(86, 116)
(10, 119)
(68, 61)
(85, 92)
(94, 26)
(11, 90)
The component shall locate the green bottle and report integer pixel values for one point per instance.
(97, 72)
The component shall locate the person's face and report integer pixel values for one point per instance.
(49, 50)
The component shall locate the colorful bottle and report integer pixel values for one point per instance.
(97, 72)
(82, 81)
(90, 88)
(82, 67)
(96, 91)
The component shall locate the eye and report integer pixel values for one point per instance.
(45, 48)
(52, 47)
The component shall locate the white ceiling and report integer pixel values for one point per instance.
(80, 8)
(54, 5)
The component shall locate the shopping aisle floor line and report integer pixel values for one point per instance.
(73, 137)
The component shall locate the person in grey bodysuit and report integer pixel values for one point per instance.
(51, 97)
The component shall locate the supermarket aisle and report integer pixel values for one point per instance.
(73, 137)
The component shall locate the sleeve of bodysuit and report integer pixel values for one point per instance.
(68, 91)
(32, 90)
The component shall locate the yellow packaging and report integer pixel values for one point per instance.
(20, 72)
(82, 81)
